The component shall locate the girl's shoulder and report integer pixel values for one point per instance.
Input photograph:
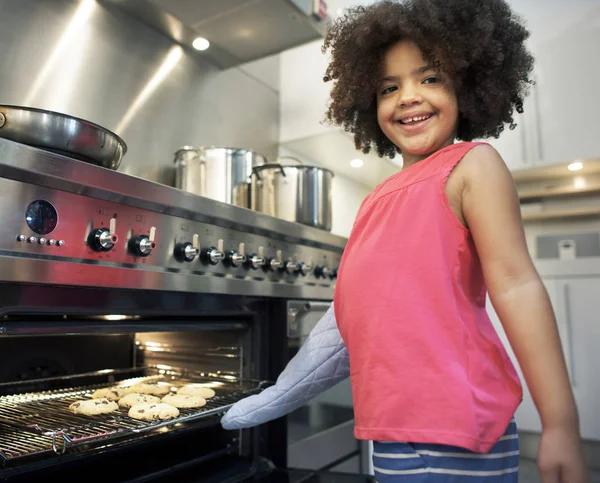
(481, 159)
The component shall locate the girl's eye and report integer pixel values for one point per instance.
(431, 80)
(387, 90)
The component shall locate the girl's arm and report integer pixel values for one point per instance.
(491, 209)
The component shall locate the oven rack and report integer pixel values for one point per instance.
(36, 423)
(16, 444)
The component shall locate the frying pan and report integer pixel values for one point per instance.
(62, 134)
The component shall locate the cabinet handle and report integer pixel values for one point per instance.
(538, 121)
(569, 331)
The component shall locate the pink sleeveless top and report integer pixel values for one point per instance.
(426, 364)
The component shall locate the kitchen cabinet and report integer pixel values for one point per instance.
(567, 72)
(576, 303)
(560, 119)
(561, 109)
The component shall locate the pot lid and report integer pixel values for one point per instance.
(199, 149)
(278, 166)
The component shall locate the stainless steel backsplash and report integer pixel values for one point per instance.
(82, 58)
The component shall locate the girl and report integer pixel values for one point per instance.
(432, 384)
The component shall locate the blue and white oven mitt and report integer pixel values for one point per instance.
(320, 364)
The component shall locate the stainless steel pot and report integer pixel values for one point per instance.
(294, 193)
(62, 134)
(222, 174)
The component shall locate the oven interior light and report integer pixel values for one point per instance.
(155, 349)
(115, 317)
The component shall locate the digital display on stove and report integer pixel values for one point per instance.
(41, 217)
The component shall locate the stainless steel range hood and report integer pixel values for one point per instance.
(239, 31)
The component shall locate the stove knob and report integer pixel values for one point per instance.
(103, 239)
(333, 274)
(256, 260)
(235, 259)
(186, 252)
(322, 271)
(141, 246)
(304, 268)
(274, 263)
(213, 255)
(290, 266)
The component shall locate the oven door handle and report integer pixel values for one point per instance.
(323, 306)
(295, 312)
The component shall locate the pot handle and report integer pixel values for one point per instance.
(256, 169)
(299, 161)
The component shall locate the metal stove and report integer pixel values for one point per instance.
(107, 278)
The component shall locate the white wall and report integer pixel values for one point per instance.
(303, 94)
(265, 70)
(347, 195)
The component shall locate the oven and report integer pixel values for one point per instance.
(110, 280)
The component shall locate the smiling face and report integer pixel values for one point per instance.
(416, 104)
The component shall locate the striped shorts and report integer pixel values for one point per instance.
(434, 463)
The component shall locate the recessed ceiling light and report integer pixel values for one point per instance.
(575, 166)
(201, 43)
(357, 163)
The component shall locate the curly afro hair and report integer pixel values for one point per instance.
(480, 44)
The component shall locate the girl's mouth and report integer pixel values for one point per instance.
(415, 120)
(414, 124)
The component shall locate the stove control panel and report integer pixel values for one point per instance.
(69, 226)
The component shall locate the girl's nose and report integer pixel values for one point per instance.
(409, 96)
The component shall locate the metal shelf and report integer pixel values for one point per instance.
(561, 214)
(561, 191)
